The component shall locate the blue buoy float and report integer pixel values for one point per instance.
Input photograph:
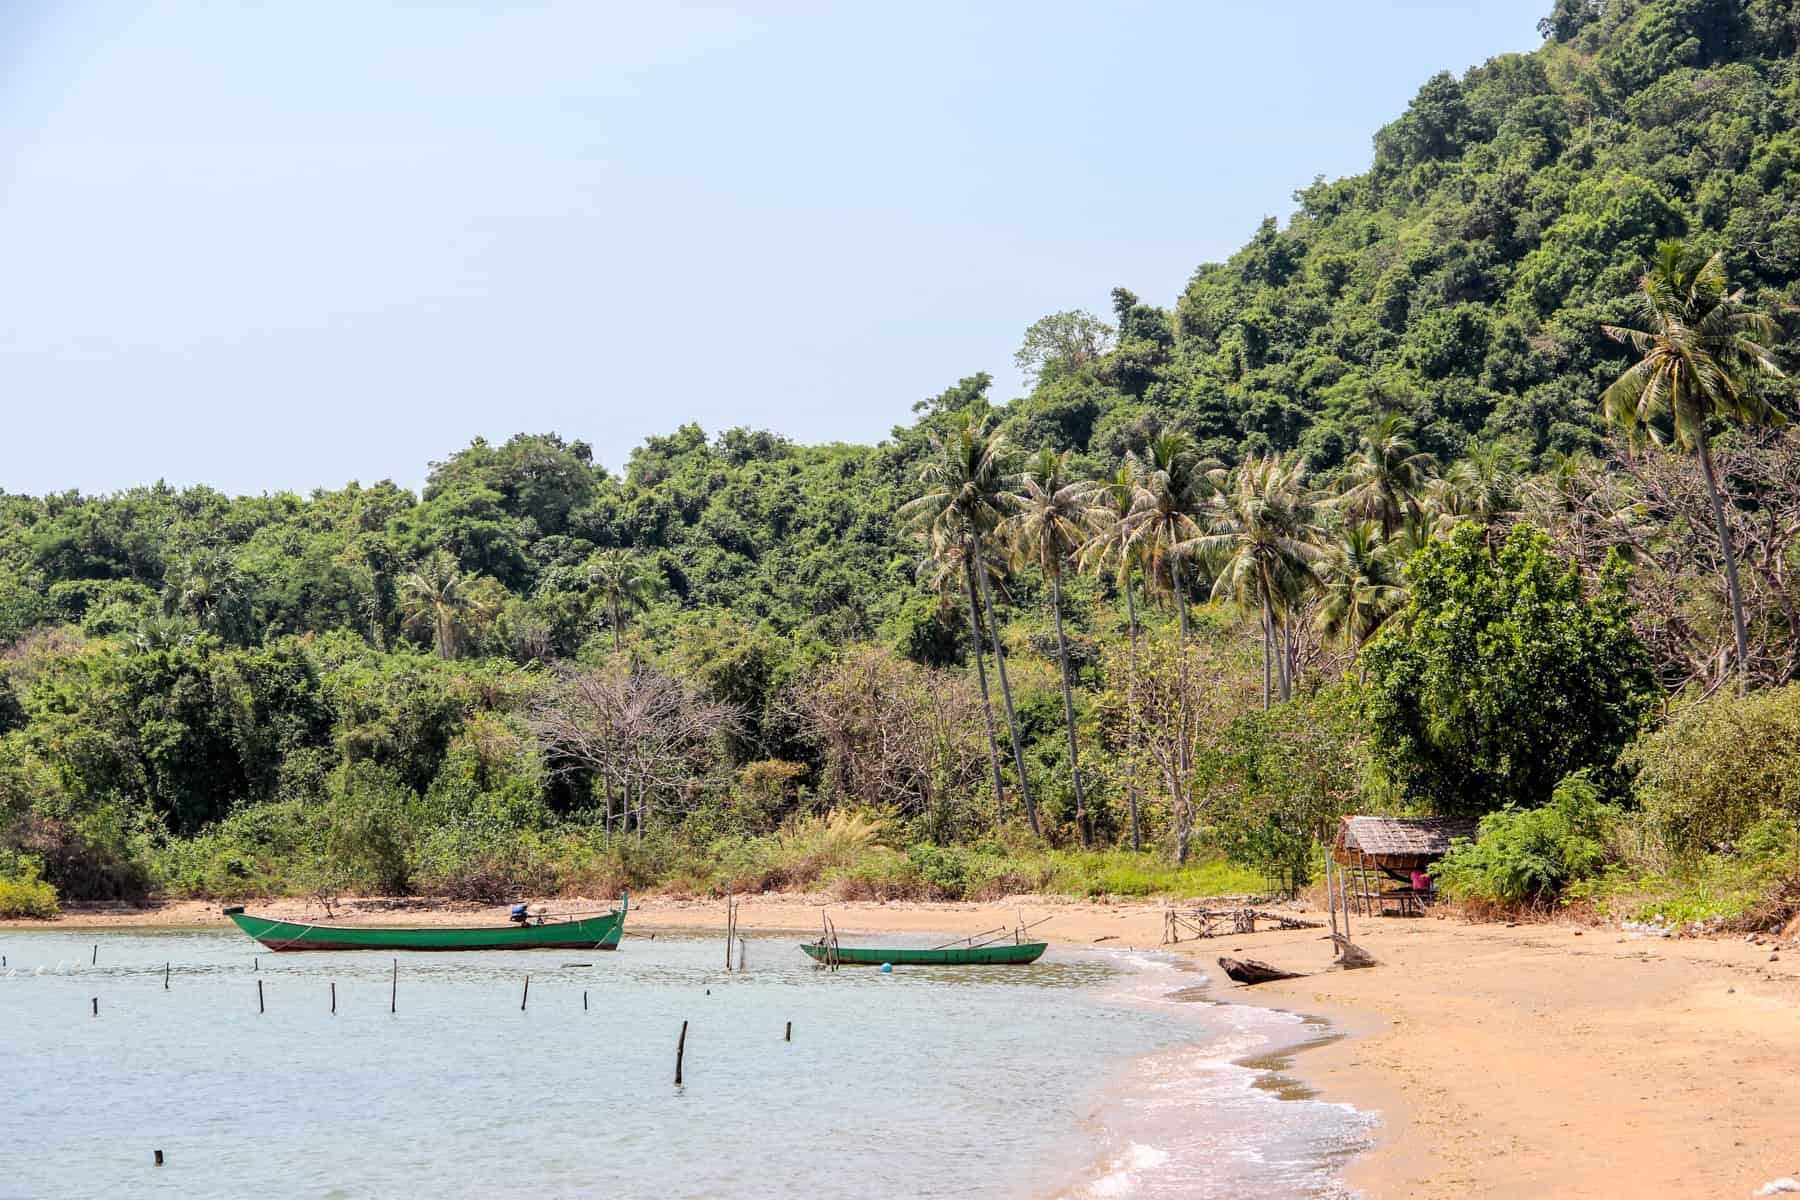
(887, 968)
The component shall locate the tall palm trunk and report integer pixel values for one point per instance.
(1731, 572)
(1180, 595)
(1268, 630)
(987, 704)
(1012, 719)
(1137, 835)
(613, 612)
(1062, 657)
(1281, 655)
(606, 780)
(1184, 828)
(1186, 751)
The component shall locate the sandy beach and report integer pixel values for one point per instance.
(1528, 1061)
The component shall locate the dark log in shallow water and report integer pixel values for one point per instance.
(1249, 970)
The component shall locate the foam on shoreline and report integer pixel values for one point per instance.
(1216, 1118)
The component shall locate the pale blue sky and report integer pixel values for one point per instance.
(284, 246)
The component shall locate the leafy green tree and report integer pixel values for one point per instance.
(1718, 768)
(1502, 674)
(1062, 343)
(1530, 856)
(1701, 355)
(1052, 515)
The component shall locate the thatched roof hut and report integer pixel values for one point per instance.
(1398, 843)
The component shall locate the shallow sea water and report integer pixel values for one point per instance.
(1090, 1074)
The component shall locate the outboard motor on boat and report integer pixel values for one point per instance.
(521, 913)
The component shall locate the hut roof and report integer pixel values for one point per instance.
(1401, 838)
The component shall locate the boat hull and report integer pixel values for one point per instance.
(593, 933)
(955, 956)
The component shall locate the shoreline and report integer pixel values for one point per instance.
(1531, 1060)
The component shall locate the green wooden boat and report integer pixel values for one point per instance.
(999, 954)
(588, 933)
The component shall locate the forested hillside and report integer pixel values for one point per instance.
(734, 658)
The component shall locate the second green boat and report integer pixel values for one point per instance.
(1000, 954)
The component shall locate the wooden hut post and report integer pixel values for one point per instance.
(1330, 896)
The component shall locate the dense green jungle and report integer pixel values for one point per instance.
(1469, 488)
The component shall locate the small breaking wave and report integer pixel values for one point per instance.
(1192, 1120)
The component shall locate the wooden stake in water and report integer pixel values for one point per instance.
(96, 957)
(527, 995)
(584, 1000)
(259, 997)
(680, 1049)
(789, 1035)
(334, 997)
(730, 927)
(159, 1158)
(165, 977)
(96, 1006)
(741, 948)
(394, 992)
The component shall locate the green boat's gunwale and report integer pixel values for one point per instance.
(1011, 954)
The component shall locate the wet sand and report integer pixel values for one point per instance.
(1531, 1061)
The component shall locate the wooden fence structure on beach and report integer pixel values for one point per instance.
(1199, 923)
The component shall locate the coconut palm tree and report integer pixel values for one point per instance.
(952, 563)
(964, 501)
(1359, 576)
(1264, 538)
(1386, 475)
(1481, 487)
(619, 580)
(1111, 548)
(1701, 351)
(1560, 494)
(1052, 516)
(208, 588)
(163, 631)
(1174, 484)
(439, 595)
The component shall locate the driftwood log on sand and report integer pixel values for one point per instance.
(1249, 970)
(1350, 955)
